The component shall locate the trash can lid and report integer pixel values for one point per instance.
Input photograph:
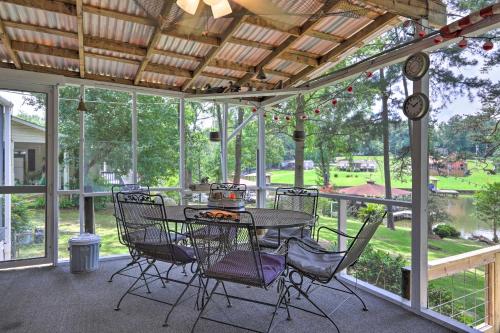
(84, 239)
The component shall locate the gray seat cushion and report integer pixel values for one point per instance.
(316, 264)
(273, 237)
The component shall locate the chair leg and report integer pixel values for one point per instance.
(227, 296)
(168, 272)
(315, 305)
(159, 276)
(133, 262)
(205, 305)
(144, 277)
(281, 297)
(132, 286)
(165, 324)
(352, 292)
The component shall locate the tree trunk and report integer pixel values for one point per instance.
(237, 149)
(387, 166)
(324, 167)
(495, 236)
(299, 145)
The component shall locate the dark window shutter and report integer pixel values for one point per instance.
(31, 160)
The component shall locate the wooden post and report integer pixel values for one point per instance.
(89, 215)
(495, 292)
(342, 220)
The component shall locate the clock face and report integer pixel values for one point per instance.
(416, 106)
(416, 66)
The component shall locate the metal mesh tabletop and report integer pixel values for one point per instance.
(264, 218)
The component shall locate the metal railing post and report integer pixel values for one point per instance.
(342, 227)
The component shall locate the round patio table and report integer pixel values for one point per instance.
(264, 218)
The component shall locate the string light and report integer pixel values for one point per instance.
(488, 45)
(254, 110)
(288, 117)
(349, 89)
(438, 39)
(317, 111)
(463, 43)
(369, 74)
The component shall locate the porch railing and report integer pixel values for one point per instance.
(474, 280)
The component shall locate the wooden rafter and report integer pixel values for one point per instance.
(7, 44)
(433, 10)
(251, 43)
(233, 26)
(43, 49)
(155, 38)
(371, 29)
(274, 25)
(48, 5)
(324, 36)
(37, 28)
(81, 48)
(113, 45)
(168, 70)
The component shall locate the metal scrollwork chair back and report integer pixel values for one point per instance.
(310, 260)
(228, 251)
(224, 189)
(120, 229)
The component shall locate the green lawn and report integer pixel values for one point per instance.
(475, 181)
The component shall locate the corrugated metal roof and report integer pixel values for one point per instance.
(313, 45)
(242, 54)
(290, 13)
(183, 46)
(174, 62)
(48, 61)
(42, 38)
(255, 33)
(110, 68)
(110, 28)
(11, 12)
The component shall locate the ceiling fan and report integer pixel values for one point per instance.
(219, 7)
(193, 17)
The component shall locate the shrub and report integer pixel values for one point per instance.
(371, 211)
(380, 269)
(446, 230)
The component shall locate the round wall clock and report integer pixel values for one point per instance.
(416, 106)
(416, 66)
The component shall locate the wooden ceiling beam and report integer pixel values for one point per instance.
(299, 58)
(7, 44)
(433, 10)
(207, 40)
(113, 45)
(111, 58)
(36, 28)
(233, 26)
(81, 48)
(324, 36)
(219, 76)
(155, 38)
(43, 49)
(168, 70)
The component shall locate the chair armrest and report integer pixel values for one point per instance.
(338, 232)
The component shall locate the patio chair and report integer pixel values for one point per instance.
(228, 252)
(147, 233)
(310, 260)
(297, 199)
(224, 189)
(136, 260)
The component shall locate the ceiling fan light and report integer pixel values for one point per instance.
(219, 7)
(189, 6)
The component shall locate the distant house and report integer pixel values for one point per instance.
(448, 167)
(357, 166)
(22, 162)
(288, 165)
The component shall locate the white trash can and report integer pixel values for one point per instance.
(84, 253)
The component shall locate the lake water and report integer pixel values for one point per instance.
(463, 217)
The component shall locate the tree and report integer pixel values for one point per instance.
(488, 207)
(437, 212)
(299, 144)
(237, 148)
